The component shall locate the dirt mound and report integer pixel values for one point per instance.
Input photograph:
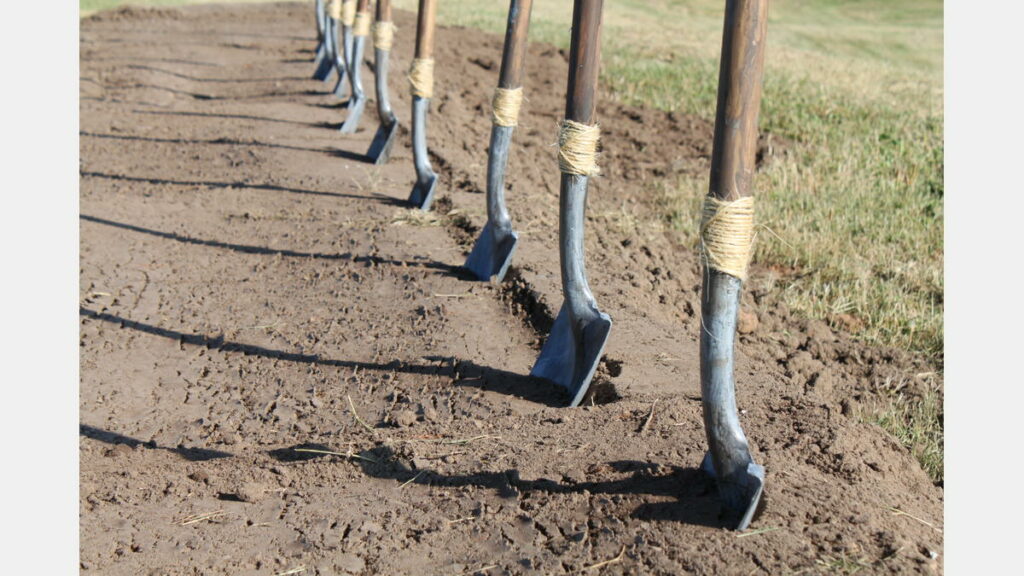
(283, 367)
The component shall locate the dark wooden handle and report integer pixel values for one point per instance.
(733, 157)
(383, 10)
(425, 29)
(363, 6)
(584, 60)
(514, 55)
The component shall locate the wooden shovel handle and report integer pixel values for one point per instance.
(733, 157)
(514, 55)
(383, 11)
(425, 29)
(584, 60)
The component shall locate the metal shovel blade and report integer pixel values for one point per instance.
(380, 147)
(355, 111)
(422, 195)
(323, 69)
(492, 253)
(570, 356)
(741, 494)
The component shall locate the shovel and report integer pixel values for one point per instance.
(325, 66)
(321, 35)
(422, 195)
(343, 53)
(572, 351)
(493, 250)
(740, 480)
(357, 101)
(380, 147)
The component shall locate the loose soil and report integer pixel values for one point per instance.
(251, 289)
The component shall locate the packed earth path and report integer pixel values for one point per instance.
(286, 370)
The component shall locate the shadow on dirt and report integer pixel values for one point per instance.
(229, 142)
(219, 80)
(233, 117)
(445, 269)
(191, 454)
(271, 187)
(695, 493)
(482, 377)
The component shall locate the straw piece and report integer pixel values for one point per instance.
(348, 12)
(577, 148)
(361, 26)
(334, 9)
(505, 106)
(383, 35)
(727, 235)
(421, 77)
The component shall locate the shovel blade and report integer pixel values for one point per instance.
(569, 360)
(341, 88)
(380, 148)
(491, 255)
(741, 495)
(422, 195)
(355, 111)
(323, 69)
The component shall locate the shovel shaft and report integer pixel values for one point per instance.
(320, 19)
(425, 29)
(584, 60)
(383, 11)
(384, 111)
(739, 99)
(511, 76)
(739, 479)
(514, 54)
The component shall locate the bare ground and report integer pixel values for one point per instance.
(251, 288)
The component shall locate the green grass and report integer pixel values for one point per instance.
(853, 215)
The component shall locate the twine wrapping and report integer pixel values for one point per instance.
(361, 26)
(421, 77)
(383, 35)
(727, 235)
(505, 106)
(577, 148)
(334, 9)
(348, 12)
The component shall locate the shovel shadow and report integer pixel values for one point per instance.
(696, 501)
(190, 454)
(487, 378)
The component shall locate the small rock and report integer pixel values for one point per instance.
(818, 330)
(118, 451)
(747, 321)
(429, 414)
(251, 492)
(849, 322)
(200, 476)
(405, 418)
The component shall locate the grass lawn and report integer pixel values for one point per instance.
(853, 217)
